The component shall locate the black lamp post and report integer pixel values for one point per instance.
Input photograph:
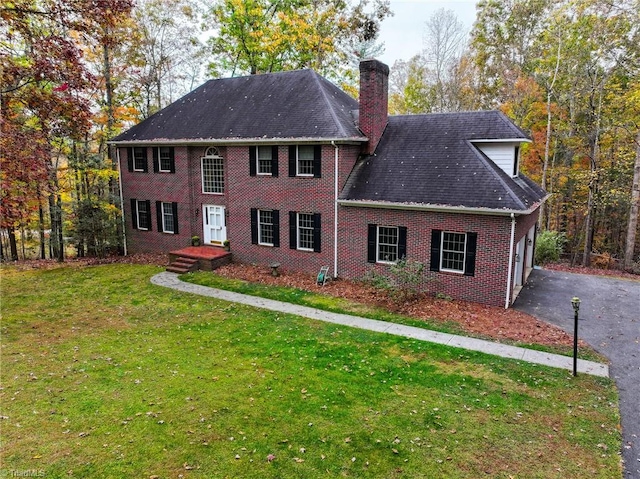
(575, 302)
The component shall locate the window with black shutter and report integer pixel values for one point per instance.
(386, 244)
(305, 231)
(453, 252)
(305, 160)
(164, 159)
(167, 217)
(141, 214)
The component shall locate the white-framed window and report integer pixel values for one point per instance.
(212, 172)
(264, 159)
(304, 160)
(165, 159)
(139, 158)
(452, 252)
(168, 219)
(143, 214)
(387, 245)
(265, 227)
(305, 231)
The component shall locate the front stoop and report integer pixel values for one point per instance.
(206, 258)
(182, 265)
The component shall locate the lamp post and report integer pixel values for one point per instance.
(575, 302)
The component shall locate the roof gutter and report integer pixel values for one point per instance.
(335, 211)
(437, 208)
(238, 141)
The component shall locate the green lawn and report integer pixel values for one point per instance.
(106, 375)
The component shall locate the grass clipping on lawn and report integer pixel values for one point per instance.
(106, 375)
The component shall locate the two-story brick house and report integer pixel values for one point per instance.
(291, 169)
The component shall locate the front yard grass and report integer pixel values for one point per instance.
(106, 375)
(341, 305)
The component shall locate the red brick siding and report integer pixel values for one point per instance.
(283, 193)
(374, 100)
(489, 284)
(168, 187)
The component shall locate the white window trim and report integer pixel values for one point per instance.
(306, 175)
(442, 251)
(164, 228)
(300, 248)
(381, 261)
(138, 215)
(211, 157)
(133, 152)
(260, 242)
(258, 173)
(160, 170)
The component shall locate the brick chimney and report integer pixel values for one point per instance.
(374, 101)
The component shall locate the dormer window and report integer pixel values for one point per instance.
(504, 153)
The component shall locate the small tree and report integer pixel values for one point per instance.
(549, 246)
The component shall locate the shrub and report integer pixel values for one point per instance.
(403, 282)
(549, 246)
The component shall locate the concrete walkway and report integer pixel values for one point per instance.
(170, 280)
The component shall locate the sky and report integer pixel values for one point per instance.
(402, 34)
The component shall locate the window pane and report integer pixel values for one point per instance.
(305, 231)
(305, 160)
(143, 215)
(212, 175)
(167, 218)
(453, 248)
(265, 231)
(139, 158)
(264, 160)
(165, 158)
(387, 244)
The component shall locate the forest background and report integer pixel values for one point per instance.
(75, 73)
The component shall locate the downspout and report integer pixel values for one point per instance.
(124, 222)
(335, 211)
(507, 300)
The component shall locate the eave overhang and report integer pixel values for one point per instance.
(238, 141)
(441, 208)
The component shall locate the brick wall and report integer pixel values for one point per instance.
(489, 284)
(374, 100)
(167, 187)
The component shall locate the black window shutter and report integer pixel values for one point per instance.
(274, 161)
(317, 163)
(317, 233)
(293, 230)
(436, 236)
(252, 160)
(149, 215)
(276, 228)
(130, 159)
(159, 214)
(156, 159)
(254, 226)
(134, 212)
(174, 210)
(293, 154)
(402, 242)
(172, 165)
(371, 243)
(470, 254)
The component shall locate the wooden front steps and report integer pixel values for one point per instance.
(182, 265)
(193, 258)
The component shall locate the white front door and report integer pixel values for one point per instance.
(215, 228)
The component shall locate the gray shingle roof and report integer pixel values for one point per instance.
(286, 105)
(430, 160)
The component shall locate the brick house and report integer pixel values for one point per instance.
(291, 169)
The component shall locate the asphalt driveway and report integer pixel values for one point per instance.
(610, 309)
